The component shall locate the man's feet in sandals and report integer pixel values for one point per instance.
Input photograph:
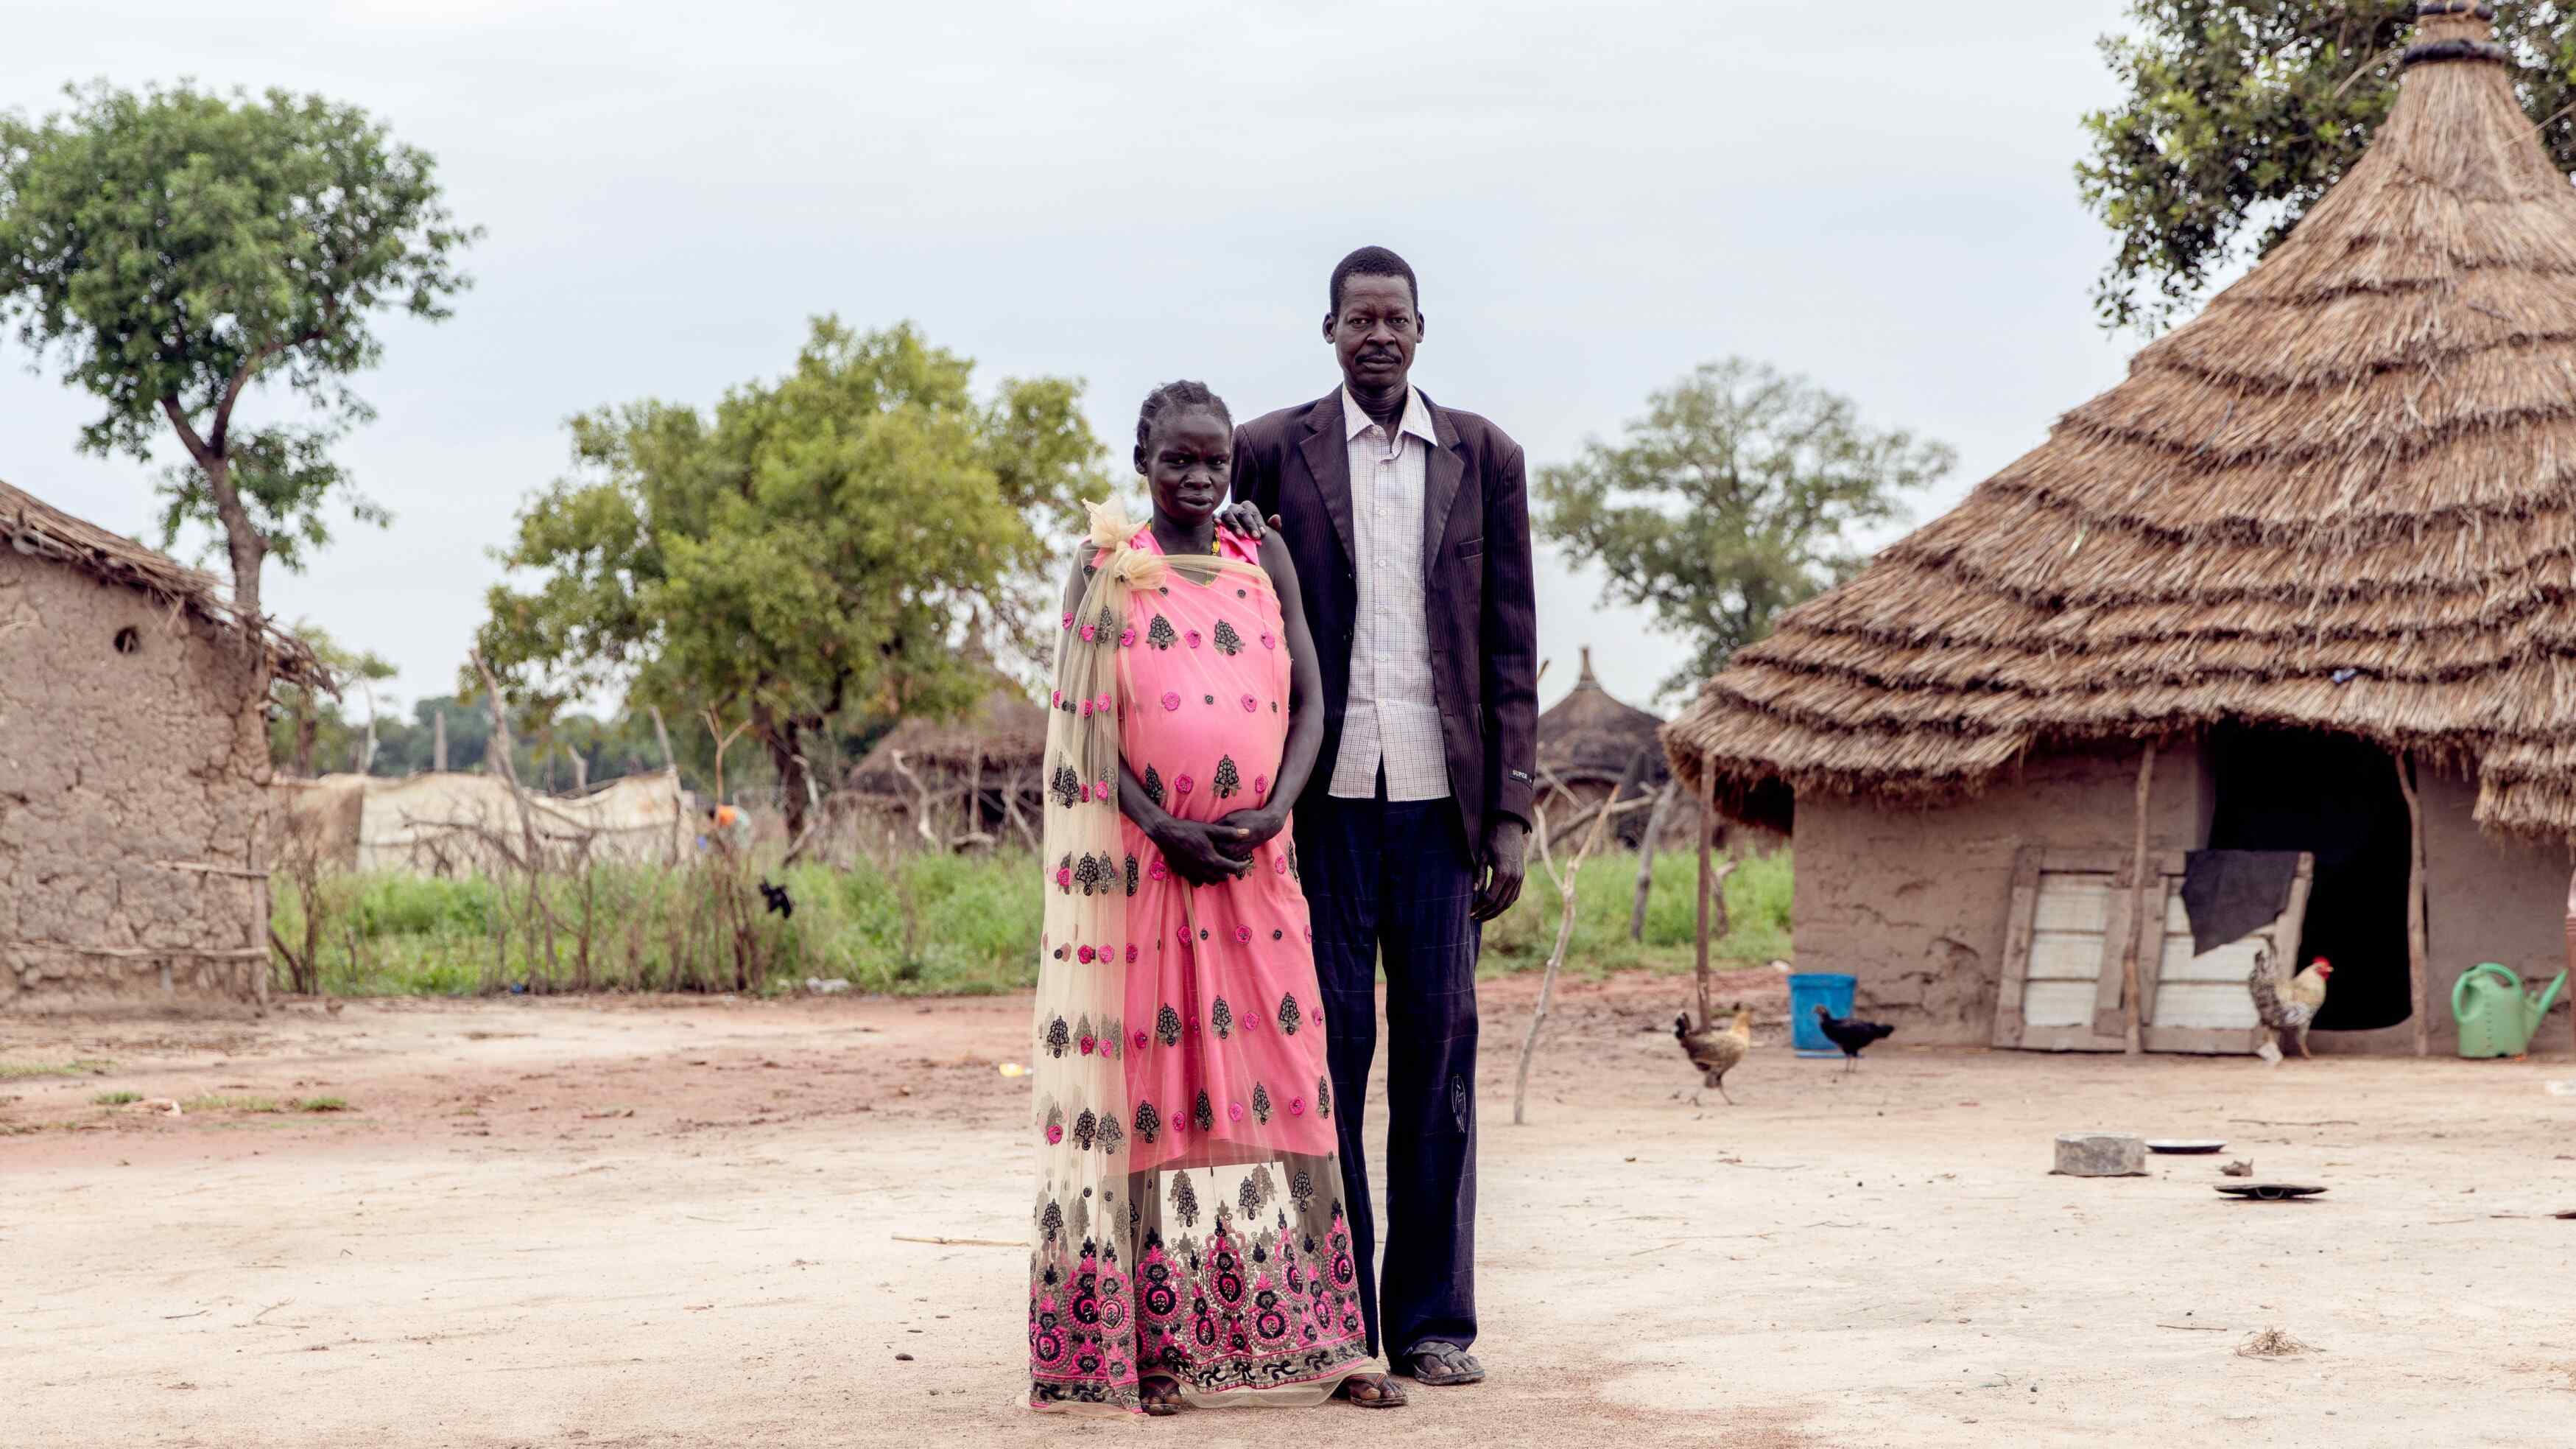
(1441, 1365)
(1161, 1396)
(1371, 1391)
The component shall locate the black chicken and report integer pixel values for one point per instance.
(1851, 1033)
(779, 900)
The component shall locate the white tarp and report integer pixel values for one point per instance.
(453, 824)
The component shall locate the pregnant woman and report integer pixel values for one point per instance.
(1190, 1245)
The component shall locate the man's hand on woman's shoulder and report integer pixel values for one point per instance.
(1246, 519)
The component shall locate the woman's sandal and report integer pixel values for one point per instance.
(1370, 1391)
(1159, 1396)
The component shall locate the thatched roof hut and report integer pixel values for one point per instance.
(1589, 737)
(1003, 735)
(2333, 518)
(132, 871)
(975, 780)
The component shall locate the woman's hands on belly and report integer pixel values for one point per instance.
(1246, 831)
(1203, 852)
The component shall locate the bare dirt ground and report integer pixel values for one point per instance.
(681, 1223)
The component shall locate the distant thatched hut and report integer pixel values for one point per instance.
(134, 833)
(1590, 745)
(969, 780)
(2319, 549)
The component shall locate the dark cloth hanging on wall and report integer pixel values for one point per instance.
(2231, 894)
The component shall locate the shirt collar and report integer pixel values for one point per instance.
(1416, 419)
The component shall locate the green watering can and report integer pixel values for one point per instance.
(2496, 1016)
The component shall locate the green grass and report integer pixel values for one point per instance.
(21, 1071)
(318, 1104)
(974, 929)
(1757, 904)
(116, 1099)
(211, 1103)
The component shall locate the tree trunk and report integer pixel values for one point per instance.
(438, 741)
(785, 757)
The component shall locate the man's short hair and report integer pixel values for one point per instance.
(1373, 262)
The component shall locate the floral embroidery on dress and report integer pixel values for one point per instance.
(1229, 780)
(1228, 642)
(1160, 634)
(1221, 1020)
(1289, 1017)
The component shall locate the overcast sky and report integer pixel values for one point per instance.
(1597, 195)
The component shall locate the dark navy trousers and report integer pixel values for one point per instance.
(1395, 882)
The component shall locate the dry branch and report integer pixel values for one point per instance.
(1564, 932)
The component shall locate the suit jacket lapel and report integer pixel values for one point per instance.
(1328, 462)
(1442, 475)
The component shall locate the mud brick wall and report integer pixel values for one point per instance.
(123, 764)
(1913, 902)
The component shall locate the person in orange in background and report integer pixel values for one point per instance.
(728, 829)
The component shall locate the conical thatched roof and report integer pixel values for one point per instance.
(34, 527)
(1590, 736)
(2343, 497)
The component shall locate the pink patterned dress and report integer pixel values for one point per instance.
(1242, 1280)
(1227, 1027)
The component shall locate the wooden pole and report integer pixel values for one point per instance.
(438, 740)
(1646, 856)
(1566, 902)
(2132, 1028)
(2418, 946)
(509, 768)
(670, 762)
(1707, 832)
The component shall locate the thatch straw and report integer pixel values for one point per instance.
(1004, 733)
(36, 528)
(2342, 498)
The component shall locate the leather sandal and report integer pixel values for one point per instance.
(1443, 1364)
(1370, 1391)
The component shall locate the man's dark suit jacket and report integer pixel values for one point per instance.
(1295, 464)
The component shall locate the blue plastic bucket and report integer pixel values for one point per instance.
(1829, 989)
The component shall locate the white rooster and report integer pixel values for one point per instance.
(2287, 1012)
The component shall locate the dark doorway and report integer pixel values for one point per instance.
(2337, 798)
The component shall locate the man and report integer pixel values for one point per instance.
(1409, 526)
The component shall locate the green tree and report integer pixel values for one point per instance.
(836, 545)
(176, 249)
(1730, 500)
(310, 724)
(2239, 114)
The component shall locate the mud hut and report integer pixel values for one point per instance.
(2305, 581)
(1591, 747)
(134, 830)
(974, 780)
